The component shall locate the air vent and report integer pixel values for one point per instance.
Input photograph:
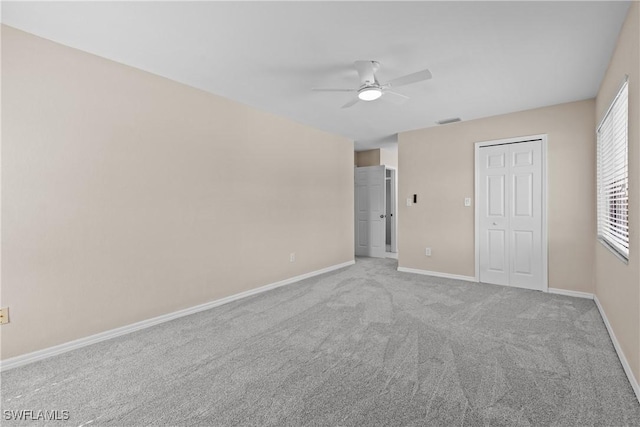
(447, 121)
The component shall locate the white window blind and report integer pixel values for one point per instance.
(613, 175)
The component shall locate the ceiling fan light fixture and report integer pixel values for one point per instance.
(369, 93)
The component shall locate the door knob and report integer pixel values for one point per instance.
(495, 223)
(381, 216)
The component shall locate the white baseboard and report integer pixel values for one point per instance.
(437, 274)
(621, 356)
(565, 292)
(35, 356)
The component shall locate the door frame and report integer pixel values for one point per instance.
(545, 204)
(394, 207)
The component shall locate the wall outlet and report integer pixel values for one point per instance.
(4, 315)
(467, 201)
(292, 257)
(427, 251)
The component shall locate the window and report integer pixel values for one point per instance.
(613, 175)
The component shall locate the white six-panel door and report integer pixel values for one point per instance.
(510, 214)
(370, 207)
(494, 220)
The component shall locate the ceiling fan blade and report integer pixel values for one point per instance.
(410, 78)
(320, 89)
(366, 71)
(352, 102)
(395, 97)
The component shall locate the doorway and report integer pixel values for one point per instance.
(510, 215)
(391, 242)
(375, 211)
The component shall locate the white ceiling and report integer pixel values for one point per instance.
(486, 58)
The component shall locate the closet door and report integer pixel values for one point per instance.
(510, 214)
(525, 214)
(493, 215)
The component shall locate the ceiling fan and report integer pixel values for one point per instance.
(370, 89)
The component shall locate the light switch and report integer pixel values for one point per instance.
(467, 201)
(409, 203)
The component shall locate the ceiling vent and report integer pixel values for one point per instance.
(447, 121)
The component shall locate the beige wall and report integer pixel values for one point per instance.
(618, 284)
(437, 164)
(376, 157)
(389, 157)
(367, 158)
(126, 195)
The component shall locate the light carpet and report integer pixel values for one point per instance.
(364, 345)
